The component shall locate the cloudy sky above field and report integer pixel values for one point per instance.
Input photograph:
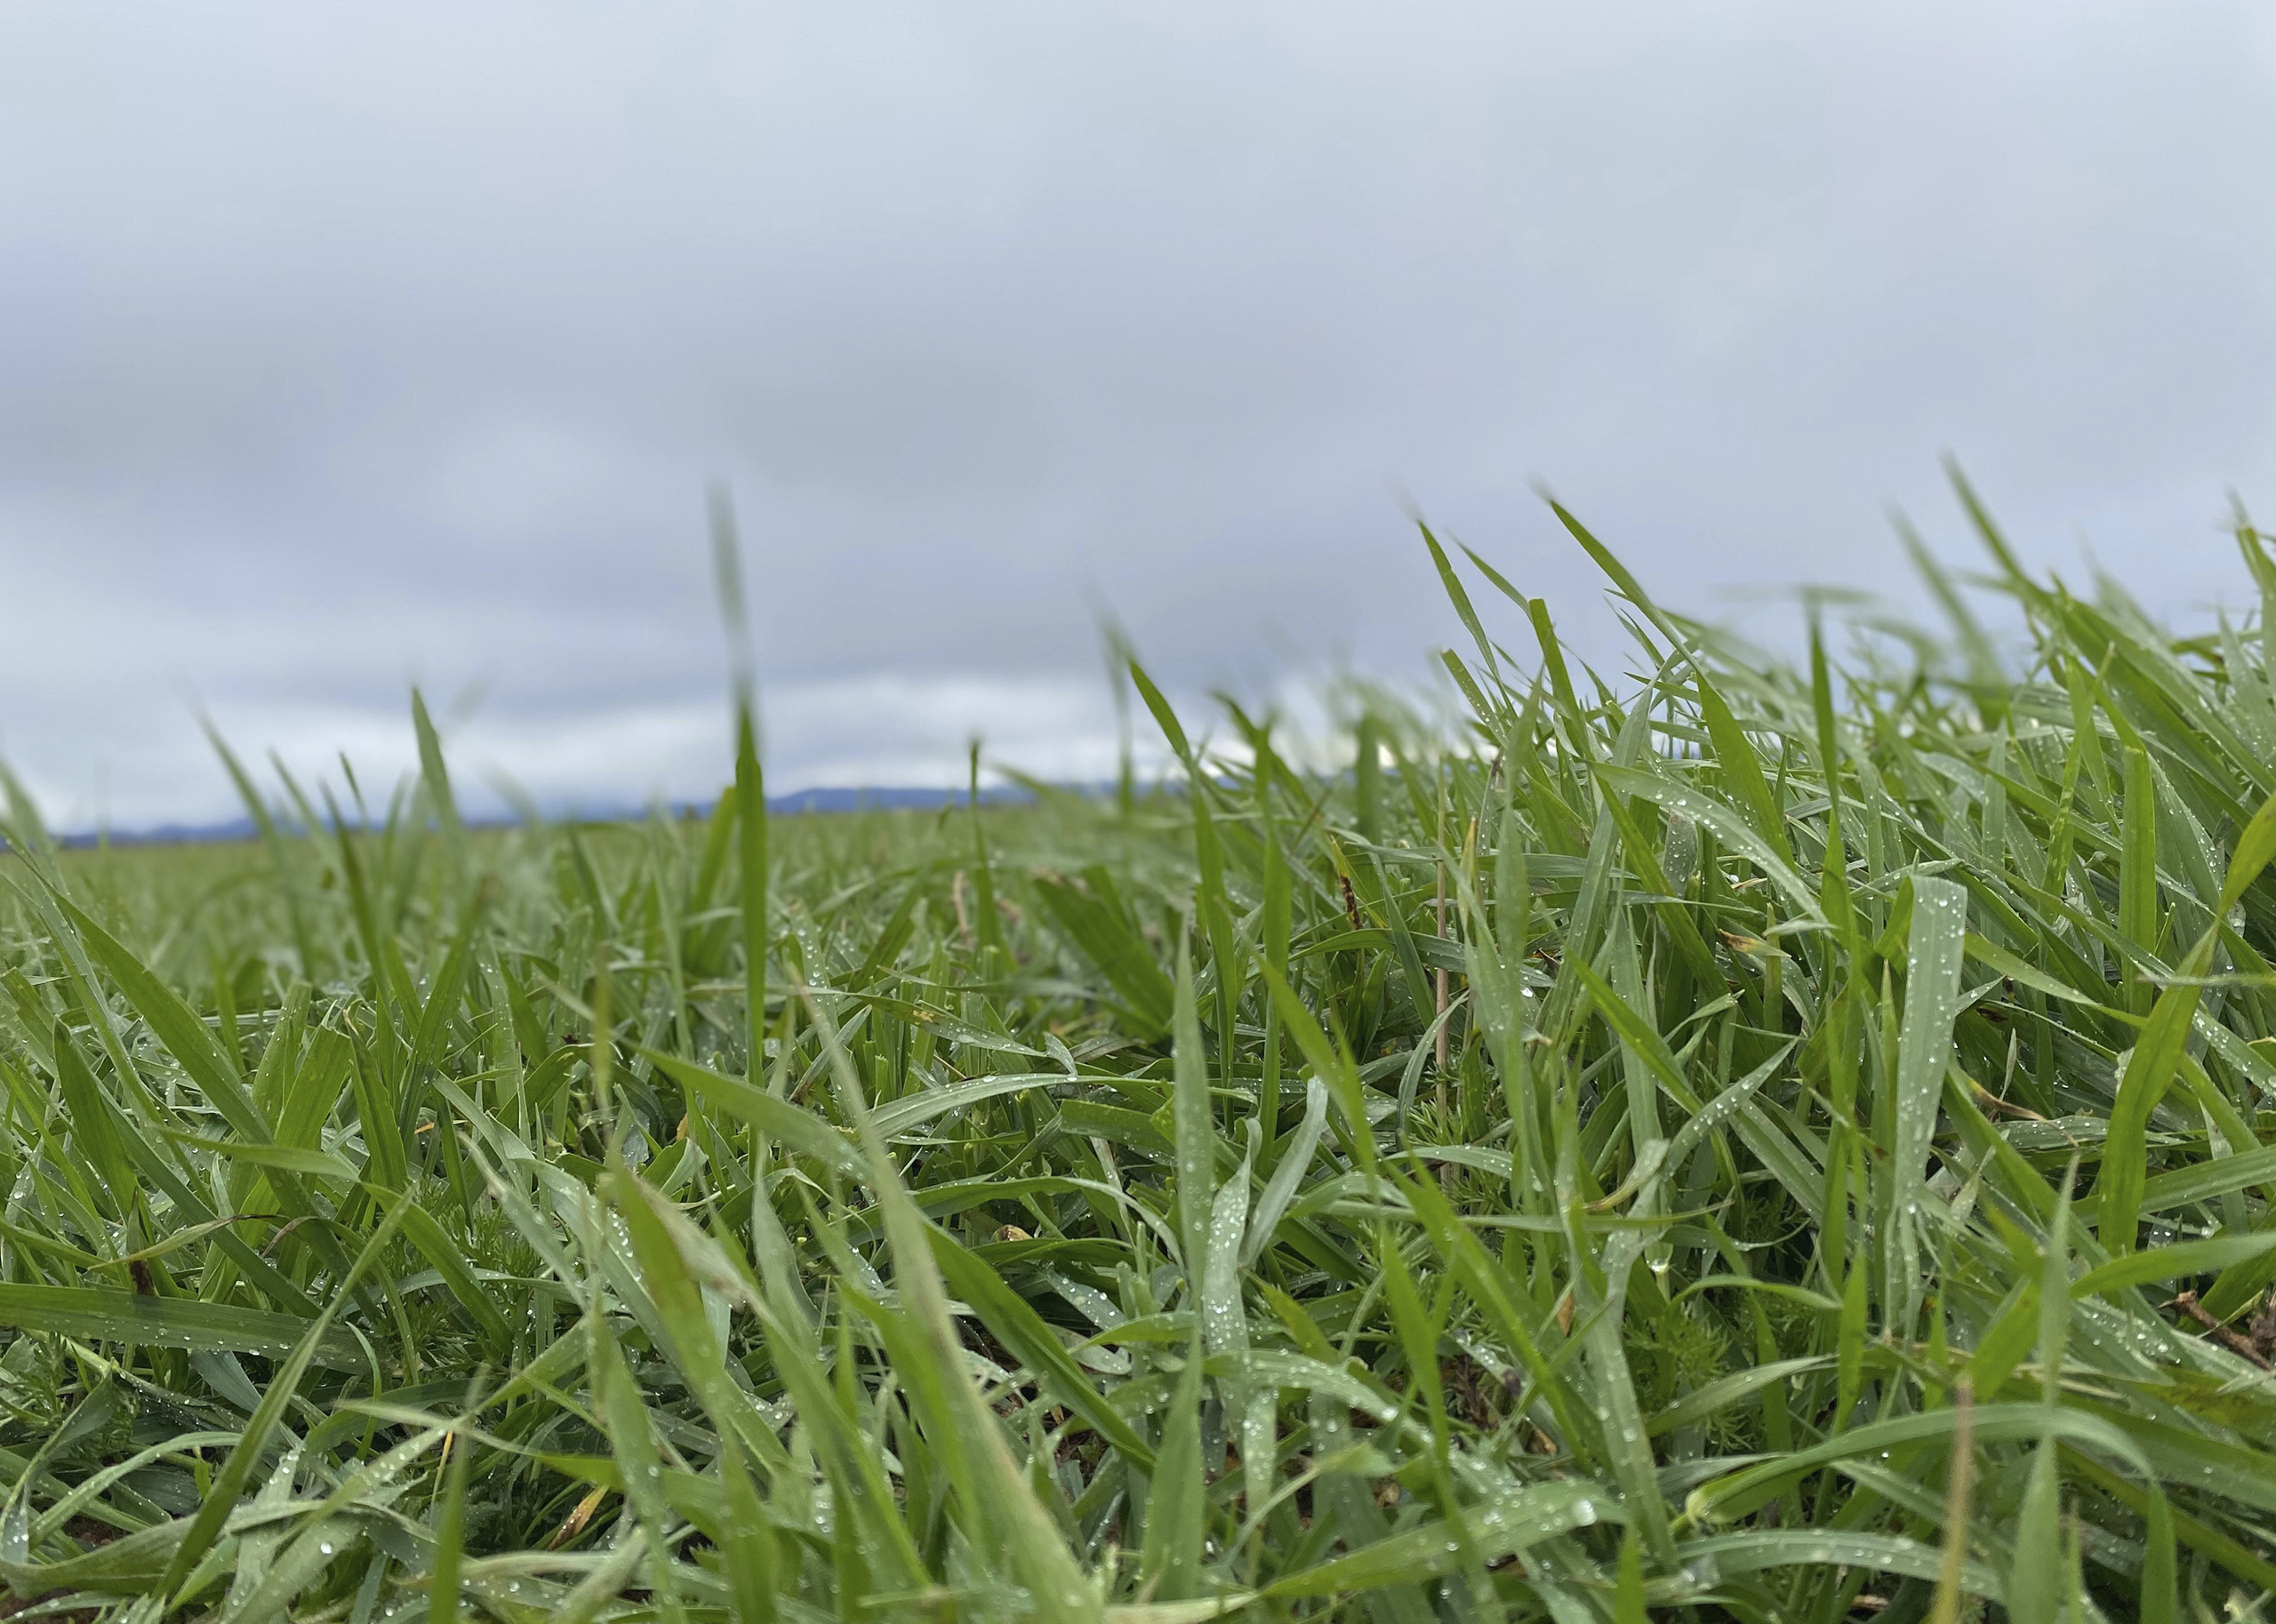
(342, 347)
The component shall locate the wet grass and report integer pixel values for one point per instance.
(1735, 1141)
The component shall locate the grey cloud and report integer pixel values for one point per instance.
(345, 348)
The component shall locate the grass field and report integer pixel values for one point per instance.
(1738, 1141)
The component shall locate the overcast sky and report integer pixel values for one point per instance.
(344, 347)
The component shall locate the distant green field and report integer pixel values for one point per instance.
(1738, 1141)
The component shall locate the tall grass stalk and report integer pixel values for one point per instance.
(1728, 1141)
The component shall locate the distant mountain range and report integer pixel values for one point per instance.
(887, 798)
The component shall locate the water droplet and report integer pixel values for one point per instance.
(324, 1548)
